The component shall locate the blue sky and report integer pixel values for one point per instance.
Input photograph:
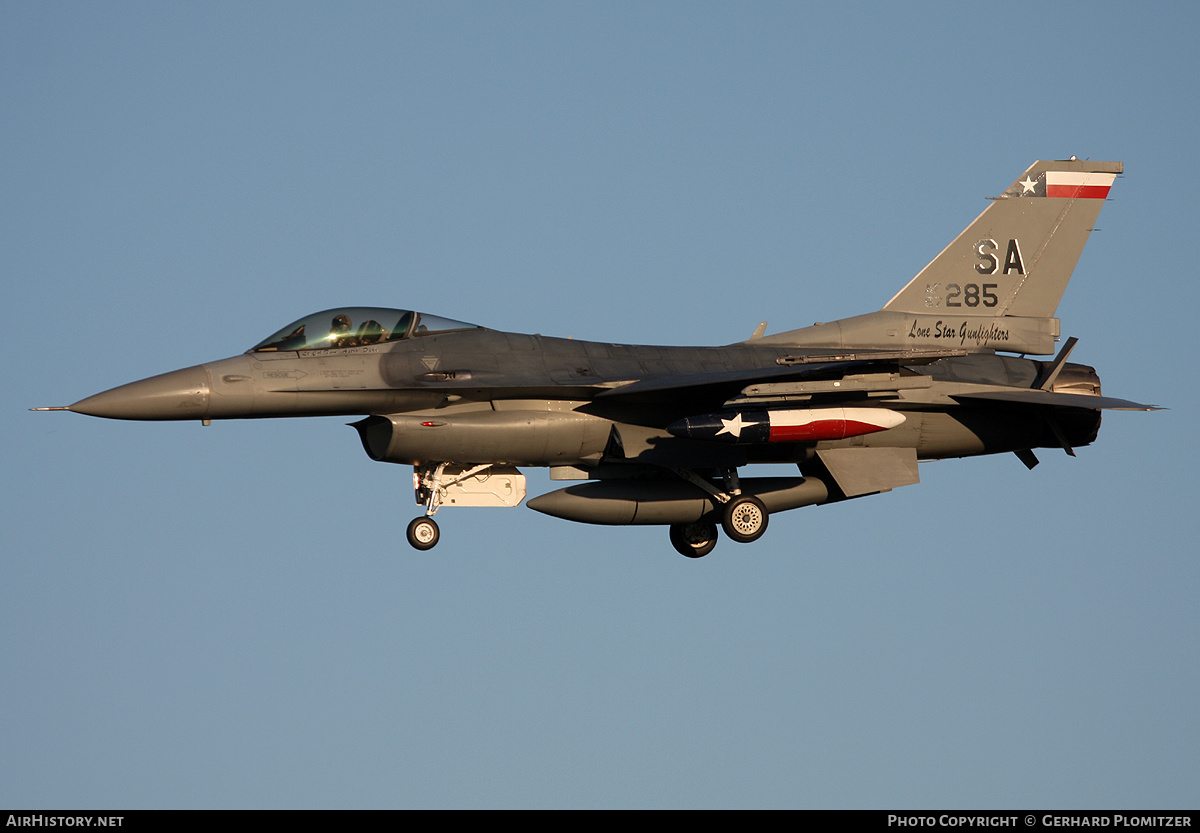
(230, 617)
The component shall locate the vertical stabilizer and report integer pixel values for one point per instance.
(1016, 258)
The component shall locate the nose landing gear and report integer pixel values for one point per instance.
(457, 484)
(423, 533)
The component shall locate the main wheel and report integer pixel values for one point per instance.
(423, 533)
(744, 519)
(694, 540)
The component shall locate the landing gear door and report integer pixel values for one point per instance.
(495, 486)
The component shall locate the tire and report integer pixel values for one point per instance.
(694, 540)
(423, 533)
(744, 519)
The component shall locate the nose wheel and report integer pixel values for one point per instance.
(423, 533)
(430, 485)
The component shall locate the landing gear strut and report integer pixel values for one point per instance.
(743, 517)
(460, 484)
(430, 483)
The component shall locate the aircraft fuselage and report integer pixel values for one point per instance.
(661, 432)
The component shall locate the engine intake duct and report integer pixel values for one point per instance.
(517, 437)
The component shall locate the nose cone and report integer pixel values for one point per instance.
(180, 394)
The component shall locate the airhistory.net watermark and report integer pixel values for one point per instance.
(43, 820)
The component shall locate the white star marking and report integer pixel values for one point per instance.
(734, 426)
(1027, 184)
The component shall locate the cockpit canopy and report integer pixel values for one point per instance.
(356, 327)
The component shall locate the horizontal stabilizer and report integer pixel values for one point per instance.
(1064, 400)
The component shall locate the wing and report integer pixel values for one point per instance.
(721, 385)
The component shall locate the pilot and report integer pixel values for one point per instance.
(370, 332)
(339, 332)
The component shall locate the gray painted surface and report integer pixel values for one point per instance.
(452, 399)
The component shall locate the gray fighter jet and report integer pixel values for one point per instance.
(657, 435)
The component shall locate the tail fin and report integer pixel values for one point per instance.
(1016, 257)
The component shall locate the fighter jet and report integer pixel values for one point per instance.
(658, 435)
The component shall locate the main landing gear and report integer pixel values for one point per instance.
(694, 540)
(743, 517)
